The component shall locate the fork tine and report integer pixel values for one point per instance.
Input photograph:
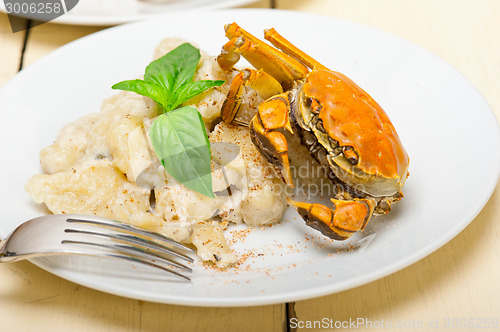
(128, 228)
(139, 245)
(129, 256)
(160, 250)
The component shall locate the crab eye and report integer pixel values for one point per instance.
(349, 153)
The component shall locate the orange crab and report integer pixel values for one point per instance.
(342, 126)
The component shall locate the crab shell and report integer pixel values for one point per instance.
(360, 143)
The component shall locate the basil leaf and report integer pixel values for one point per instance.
(179, 139)
(191, 89)
(181, 143)
(173, 70)
(143, 88)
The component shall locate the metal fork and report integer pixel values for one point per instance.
(95, 236)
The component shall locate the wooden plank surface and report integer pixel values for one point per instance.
(457, 281)
(11, 46)
(34, 300)
(45, 38)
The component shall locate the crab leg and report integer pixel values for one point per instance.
(339, 223)
(280, 42)
(281, 66)
(258, 57)
(298, 70)
(230, 53)
(266, 132)
(261, 82)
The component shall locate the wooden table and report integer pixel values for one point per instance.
(458, 281)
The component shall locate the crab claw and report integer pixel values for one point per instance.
(266, 131)
(339, 223)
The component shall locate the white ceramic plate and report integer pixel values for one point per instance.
(113, 12)
(444, 123)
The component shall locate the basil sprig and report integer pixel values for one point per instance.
(178, 135)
